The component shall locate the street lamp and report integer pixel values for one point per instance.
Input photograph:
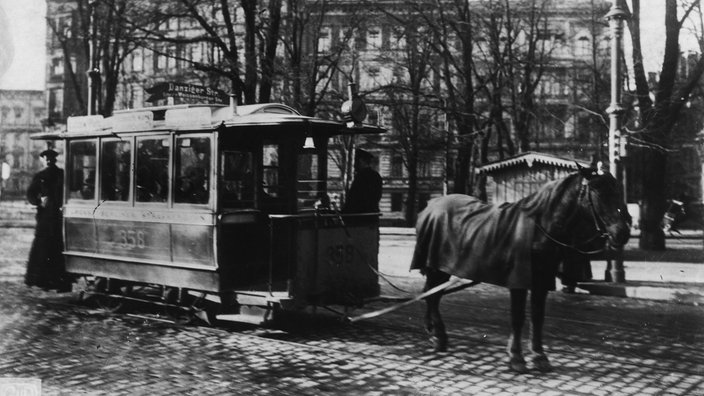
(616, 16)
(93, 71)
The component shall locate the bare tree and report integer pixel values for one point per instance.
(99, 37)
(657, 117)
(313, 55)
(240, 51)
(411, 92)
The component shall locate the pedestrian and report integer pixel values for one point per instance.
(575, 267)
(45, 267)
(365, 193)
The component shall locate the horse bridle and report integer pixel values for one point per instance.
(599, 225)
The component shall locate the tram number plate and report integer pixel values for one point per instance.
(340, 254)
(130, 239)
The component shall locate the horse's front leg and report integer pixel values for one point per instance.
(433, 322)
(518, 315)
(537, 311)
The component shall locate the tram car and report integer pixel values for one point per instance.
(222, 204)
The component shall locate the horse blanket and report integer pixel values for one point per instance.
(465, 237)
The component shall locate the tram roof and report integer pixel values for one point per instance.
(200, 118)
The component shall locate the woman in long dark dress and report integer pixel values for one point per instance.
(45, 267)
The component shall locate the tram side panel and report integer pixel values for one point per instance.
(172, 254)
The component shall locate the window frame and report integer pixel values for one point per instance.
(169, 179)
(70, 169)
(173, 171)
(131, 173)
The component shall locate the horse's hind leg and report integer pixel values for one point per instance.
(537, 311)
(433, 322)
(518, 316)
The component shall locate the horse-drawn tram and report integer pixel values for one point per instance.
(217, 203)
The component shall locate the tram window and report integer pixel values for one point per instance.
(115, 167)
(81, 184)
(309, 186)
(193, 170)
(152, 178)
(237, 179)
(270, 174)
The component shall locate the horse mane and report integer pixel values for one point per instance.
(549, 198)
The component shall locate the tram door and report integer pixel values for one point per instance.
(255, 184)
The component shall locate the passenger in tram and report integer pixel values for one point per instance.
(194, 184)
(365, 193)
(45, 267)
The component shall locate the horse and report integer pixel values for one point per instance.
(518, 246)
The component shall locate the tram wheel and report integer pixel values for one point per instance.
(109, 295)
(180, 310)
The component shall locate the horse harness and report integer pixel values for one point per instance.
(599, 225)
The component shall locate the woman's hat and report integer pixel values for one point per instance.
(363, 155)
(49, 153)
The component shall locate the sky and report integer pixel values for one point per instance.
(25, 22)
(24, 19)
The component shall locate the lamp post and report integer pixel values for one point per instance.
(616, 16)
(93, 72)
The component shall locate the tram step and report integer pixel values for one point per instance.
(249, 314)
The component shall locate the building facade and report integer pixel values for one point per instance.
(21, 114)
(567, 103)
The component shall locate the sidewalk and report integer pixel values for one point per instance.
(674, 275)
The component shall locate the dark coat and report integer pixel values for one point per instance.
(45, 267)
(365, 193)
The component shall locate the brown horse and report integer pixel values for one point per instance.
(518, 246)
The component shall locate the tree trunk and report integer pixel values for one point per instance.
(653, 208)
(250, 51)
(411, 214)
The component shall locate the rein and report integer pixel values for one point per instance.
(598, 224)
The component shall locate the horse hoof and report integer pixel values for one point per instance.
(542, 363)
(439, 344)
(518, 364)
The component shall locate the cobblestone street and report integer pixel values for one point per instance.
(598, 345)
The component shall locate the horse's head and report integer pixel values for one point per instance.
(603, 198)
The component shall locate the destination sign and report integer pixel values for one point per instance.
(186, 91)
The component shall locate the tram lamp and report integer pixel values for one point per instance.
(309, 143)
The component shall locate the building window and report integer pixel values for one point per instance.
(57, 67)
(583, 46)
(373, 117)
(18, 111)
(398, 39)
(137, 61)
(160, 63)
(171, 63)
(56, 103)
(424, 168)
(396, 202)
(397, 166)
(325, 40)
(374, 38)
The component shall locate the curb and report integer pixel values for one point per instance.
(681, 293)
